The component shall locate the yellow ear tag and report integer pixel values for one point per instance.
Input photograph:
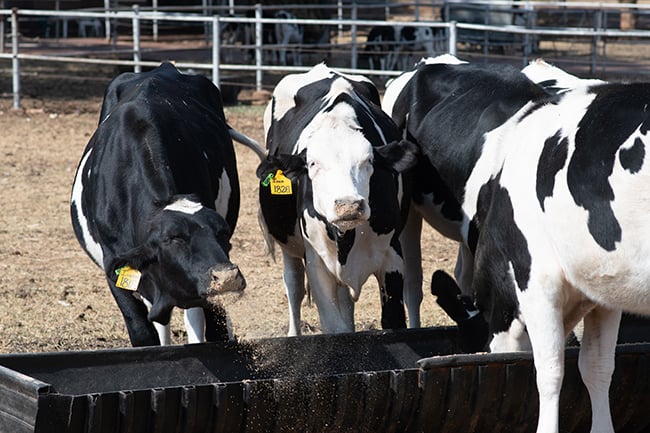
(128, 278)
(280, 184)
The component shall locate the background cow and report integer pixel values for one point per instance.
(155, 199)
(336, 157)
(548, 188)
(396, 47)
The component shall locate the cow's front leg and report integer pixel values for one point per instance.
(596, 363)
(141, 330)
(332, 301)
(391, 284)
(294, 284)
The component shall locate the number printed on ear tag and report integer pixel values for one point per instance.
(128, 278)
(280, 184)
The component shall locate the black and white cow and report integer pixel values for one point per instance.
(329, 142)
(288, 35)
(549, 193)
(156, 198)
(393, 47)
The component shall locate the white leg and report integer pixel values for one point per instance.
(411, 250)
(194, 319)
(464, 270)
(596, 363)
(546, 330)
(333, 306)
(294, 284)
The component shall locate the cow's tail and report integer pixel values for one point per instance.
(268, 239)
(248, 142)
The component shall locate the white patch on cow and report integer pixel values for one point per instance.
(194, 320)
(184, 205)
(339, 162)
(286, 90)
(539, 71)
(223, 196)
(515, 339)
(93, 247)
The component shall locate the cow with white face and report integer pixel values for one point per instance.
(155, 200)
(332, 195)
(550, 192)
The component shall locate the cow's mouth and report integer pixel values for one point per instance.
(349, 223)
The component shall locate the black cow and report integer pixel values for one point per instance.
(332, 195)
(548, 191)
(155, 199)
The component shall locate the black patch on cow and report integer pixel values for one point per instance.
(344, 243)
(615, 113)
(392, 306)
(427, 180)
(448, 109)
(632, 158)
(551, 161)
(501, 244)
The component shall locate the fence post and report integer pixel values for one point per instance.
(598, 24)
(15, 63)
(353, 37)
(453, 32)
(137, 58)
(258, 47)
(216, 50)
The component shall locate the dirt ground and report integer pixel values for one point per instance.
(53, 297)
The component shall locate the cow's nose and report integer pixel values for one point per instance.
(349, 208)
(226, 279)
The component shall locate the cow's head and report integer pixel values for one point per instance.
(184, 259)
(339, 162)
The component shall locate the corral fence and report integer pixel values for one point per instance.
(584, 38)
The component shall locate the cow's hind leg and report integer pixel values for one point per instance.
(596, 363)
(541, 309)
(194, 320)
(294, 283)
(412, 252)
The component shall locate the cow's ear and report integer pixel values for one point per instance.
(291, 165)
(137, 258)
(398, 155)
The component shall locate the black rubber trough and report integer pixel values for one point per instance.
(363, 382)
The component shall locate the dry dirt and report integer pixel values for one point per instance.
(53, 297)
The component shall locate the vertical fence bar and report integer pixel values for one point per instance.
(154, 22)
(453, 35)
(15, 63)
(137, 58)
(598, 24)
(216, 50)
(2, 28)
(107, 19)
(258, 47)
(353, 37)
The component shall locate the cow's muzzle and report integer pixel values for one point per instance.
(349, 213)
(225, 279)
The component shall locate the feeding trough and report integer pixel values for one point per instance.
(362, 382)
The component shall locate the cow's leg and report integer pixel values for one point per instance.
(412, 252)
(325, 290)
(194, 325)
(391, 284)
(164, 331)
(141, 331)
(294, 284)
(217, 324)
(541, 309)
(464, 270)
(596, 363)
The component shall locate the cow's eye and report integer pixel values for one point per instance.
(312, 165)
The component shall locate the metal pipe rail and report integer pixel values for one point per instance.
(215, 23)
